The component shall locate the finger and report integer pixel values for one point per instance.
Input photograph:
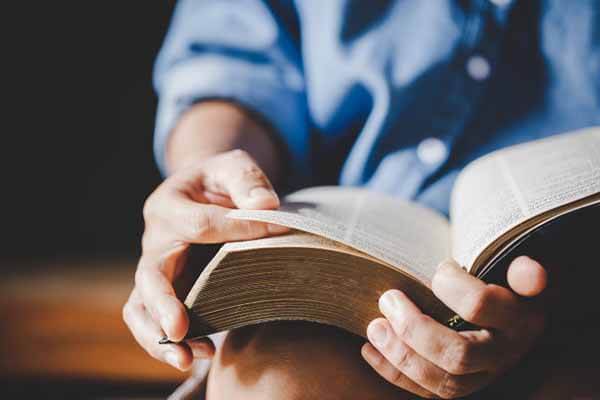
(158, 296)
(236, 174)
(418, 369)
(208, 223)
(218, 199)
(390, 373)
(201, 348)
(444, 347)
(526, 276)
(147, 333)
(482, 304)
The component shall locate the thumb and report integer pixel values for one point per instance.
(236, 174)
(526, 276)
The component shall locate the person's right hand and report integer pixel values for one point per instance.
(190, 207)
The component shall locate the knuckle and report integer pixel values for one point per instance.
(149, 210)
(450, 388)
(420, 374)
(403, 326)
(148, 241)
(127, 312)
(139, 278)
(475, 303)
(238, 154)
(199, 225)
(252, 172)
(247, 168)
(400, 356)
(397, 378)
(457, 357)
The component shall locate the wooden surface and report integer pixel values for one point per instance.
(63, 320)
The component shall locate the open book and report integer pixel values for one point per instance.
(350, 245)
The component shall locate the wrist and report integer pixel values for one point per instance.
(213, 127)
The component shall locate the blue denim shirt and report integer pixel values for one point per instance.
(394, 95)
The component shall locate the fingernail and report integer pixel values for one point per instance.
(261, 193)
(369, 353)
(387, 301)
(277, 229)
(377, 334)
(165, 323)
(172, 359)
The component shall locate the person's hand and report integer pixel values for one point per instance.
(190, 207)
(416, 353)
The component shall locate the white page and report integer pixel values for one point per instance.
(395, 231)
(506, 188)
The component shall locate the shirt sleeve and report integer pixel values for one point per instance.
(233, 50)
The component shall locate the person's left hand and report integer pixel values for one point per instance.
(414, 352)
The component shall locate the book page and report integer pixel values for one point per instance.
(506, 188)
(400, 233)
(296, 239)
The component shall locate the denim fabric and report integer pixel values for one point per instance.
(393, 95)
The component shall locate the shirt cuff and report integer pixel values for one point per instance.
(277, 97)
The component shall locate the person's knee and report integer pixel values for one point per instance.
(294, 360)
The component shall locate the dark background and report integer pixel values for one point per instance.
(76, 128)
(79, 109)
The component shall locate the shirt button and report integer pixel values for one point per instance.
(432, 151)
(478, 68)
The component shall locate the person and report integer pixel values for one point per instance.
(395, 96)
(294, 360)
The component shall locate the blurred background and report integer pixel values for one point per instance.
(77, 165)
